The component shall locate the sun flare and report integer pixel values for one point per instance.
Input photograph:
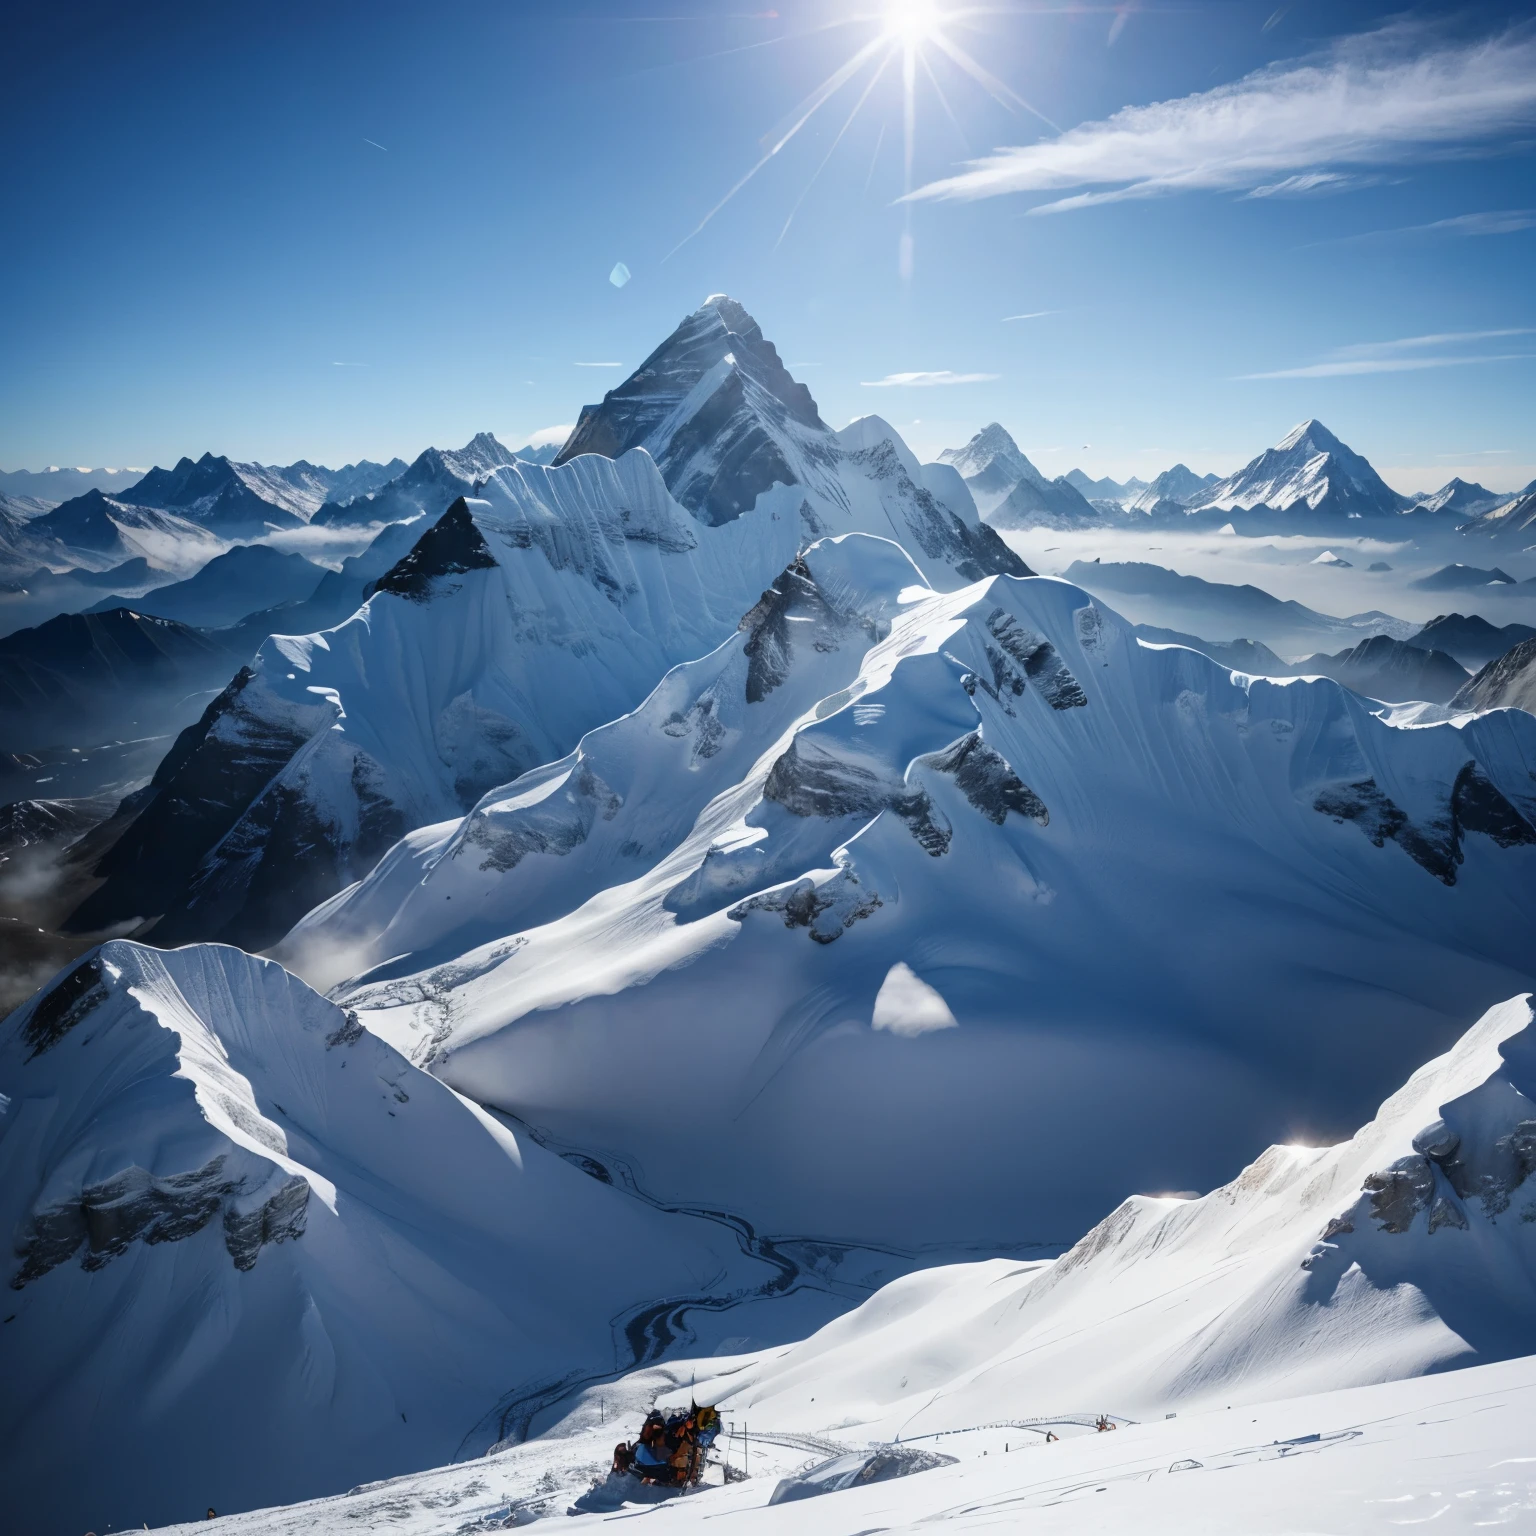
(912, 21)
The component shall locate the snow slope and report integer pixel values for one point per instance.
(1367, 1461)
(331, 1263)
(1408, 1249)
(1019, 876)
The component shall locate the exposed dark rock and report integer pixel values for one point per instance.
(1479, 806)
(136, 1206)
(450, 547)
(108, 1216)
(1475, 805)
(793, 611)
(1375, 814)
(988, 782)
(63, 1006)
(1400, 1192)
(809, 781)
(348, 1032)
(826, 911)
(1507, 682)
(727, 453)
(1042, 665)
(1437, 1140)
(277, 1219)
(205, 784)
(702, 722)
(1446, 1213)
(927, 823)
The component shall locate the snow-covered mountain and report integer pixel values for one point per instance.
(1179, 484)
(992, 464)
(549, 605)
(1459, 497)
(985, 860)
(53, 485)
(1460, 578)
(1310, 476)
(1508, 682)
(254, 1254)
(1513, 521)
(718, 412)
(1052, 504)
(430, 485)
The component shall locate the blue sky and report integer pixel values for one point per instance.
(206, 251)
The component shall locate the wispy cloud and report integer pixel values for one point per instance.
(1434, 339)
(1381, 98)
(348, 365)
(1502, 221)
(599, 365)
(1346, 367)
(1038, 314)
(923, 380)
(1309, 184)
(1404, 354)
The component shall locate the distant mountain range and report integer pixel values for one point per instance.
(433, 480)
(1309, 482)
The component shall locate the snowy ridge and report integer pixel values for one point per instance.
(803, 640)
(1009, 789)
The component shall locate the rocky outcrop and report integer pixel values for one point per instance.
(1475, 804)
(451, 546)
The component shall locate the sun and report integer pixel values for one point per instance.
(912, 21)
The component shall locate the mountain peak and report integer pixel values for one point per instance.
(716, 409)
(732, 314)
(1311, 434)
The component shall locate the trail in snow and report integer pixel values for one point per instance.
(652, 1330)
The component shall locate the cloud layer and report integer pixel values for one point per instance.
(1375, 99)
